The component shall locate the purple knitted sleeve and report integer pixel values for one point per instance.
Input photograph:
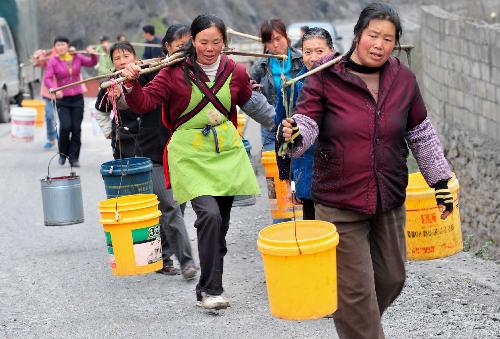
(309, 132)
(426, 148)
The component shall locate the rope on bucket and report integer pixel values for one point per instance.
(53, 102)
(116, 117)
(288, 104)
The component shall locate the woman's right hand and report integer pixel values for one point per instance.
(131, 72)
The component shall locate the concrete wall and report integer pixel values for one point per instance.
(461, 87)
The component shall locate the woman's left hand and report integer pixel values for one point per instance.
(90, 50)
(444, 198)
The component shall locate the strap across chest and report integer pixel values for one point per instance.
(209, 93)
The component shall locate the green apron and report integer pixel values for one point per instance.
(195, 167)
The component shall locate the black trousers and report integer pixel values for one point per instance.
(212, 224)
(70, 112)
(308, 212)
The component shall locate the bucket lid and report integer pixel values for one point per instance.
(133, 165)
(23, 112)
(130, 203)
(32, 102)
(418, 186)
(313, 236)
(268, 157)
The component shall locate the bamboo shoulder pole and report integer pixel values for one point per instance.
(144, 44)
(259, 55)
(243, 35)
(314, 71)
(169, 61)
(97, 77)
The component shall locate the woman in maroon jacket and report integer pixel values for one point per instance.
(364, 111)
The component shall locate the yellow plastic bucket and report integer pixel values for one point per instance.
(242, 120)
(132, 228)
(280, 196)
(427, 236)
(39, 105)
(300, 285)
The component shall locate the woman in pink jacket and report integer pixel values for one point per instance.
(64, 68)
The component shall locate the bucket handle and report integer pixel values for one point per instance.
(71, 172)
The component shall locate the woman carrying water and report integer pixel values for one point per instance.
(205, 160)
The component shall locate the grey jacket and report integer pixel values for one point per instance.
(261, 72)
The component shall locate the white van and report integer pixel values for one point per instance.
(9, 70)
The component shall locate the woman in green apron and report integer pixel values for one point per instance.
(205, 160)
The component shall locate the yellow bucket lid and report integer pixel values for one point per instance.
(128, 208)
(268, 157)
(313, 236)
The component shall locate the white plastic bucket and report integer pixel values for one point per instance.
(23, 123)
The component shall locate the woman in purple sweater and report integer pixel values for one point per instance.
(65, 68)
(364, 112)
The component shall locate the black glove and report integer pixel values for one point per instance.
(279, 133)
(443, 195)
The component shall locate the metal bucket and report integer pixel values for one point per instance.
(62, 199)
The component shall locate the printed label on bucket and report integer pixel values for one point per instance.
(111, 253)
(147, 245)
(271, 193)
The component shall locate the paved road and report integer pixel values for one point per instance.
(55, 282)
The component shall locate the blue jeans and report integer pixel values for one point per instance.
(267, 138)
(49, 120)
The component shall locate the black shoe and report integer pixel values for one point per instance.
(75, 163)
(62, 160)
(169, 269)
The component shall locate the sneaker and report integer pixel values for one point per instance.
(62, 160)
(212, 302)
(189, 271)
(49, 145)
(169, 269)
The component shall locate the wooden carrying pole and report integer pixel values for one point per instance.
(144, 44)
(243, 35)
(258, 55)
(147, 62)
(171, 60)
(406, 48)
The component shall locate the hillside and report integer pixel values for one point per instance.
(88, 19)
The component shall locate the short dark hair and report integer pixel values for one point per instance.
(174, 32)
(378, 11)
(61, 38)
(318, 32)
(121, 46)
(149, 29)
(304, 28)
(104, 38)
(267, 28)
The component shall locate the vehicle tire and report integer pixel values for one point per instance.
(4, 106)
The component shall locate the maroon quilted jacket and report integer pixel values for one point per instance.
(360, 163)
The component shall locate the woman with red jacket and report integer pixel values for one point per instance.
(205, 160)
(364, 111)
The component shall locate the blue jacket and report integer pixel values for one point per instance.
(302, 166)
